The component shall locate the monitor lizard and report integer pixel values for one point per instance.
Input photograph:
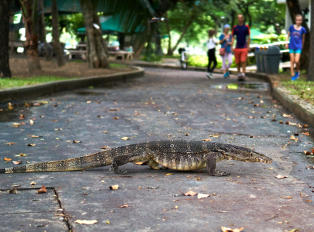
(176, 155)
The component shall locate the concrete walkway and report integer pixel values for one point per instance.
(165, 104)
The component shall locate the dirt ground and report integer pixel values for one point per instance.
(77, 68)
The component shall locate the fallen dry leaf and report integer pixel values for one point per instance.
(89, 102)
(116, 118)
(31, 122)
(7, 159)
(293, 138)
(17, 162)
(215, 135)
(125, 138)
(103, 148)
(21, 154)
(307, 153)
(286, 197)
(13, 191)
(124, 206)
(31, 144)
(190, 193)
(308, 200)
(16, 124)
(206, 140)
(305, 126)
(306, 133)
(75, 141)
(281, 122)
(42, 190)
(226, 229)
(176, 207)
(107, 222)
(9, 143)
(86, 222)
(136, 113)
(201, 195)
(142, 163)
(281, 177)
(168, 174)
(286, 116)
(32, 183)
(114, 187)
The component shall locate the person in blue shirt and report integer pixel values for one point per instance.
(297, 37)
(225, 41)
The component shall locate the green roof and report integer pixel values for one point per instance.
(111, 24)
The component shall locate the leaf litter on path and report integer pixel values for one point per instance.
(226, 229)
(86, 222)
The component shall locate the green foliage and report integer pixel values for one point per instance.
(23, 81)
(151, 58)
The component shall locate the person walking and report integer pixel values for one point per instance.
(225, 50)
(242, 33)
(211, 45)
(297, 37)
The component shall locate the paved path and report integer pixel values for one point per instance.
(165, 104)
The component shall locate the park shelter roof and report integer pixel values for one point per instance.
(111, 24)
(64, 6)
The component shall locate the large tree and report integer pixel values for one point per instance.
(31, 44)
(294, 9)
(4, 38)
(310, 71)
(56, 35)
(97, 56)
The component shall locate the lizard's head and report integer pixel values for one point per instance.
(248, 155)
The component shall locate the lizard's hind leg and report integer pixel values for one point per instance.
(211, 165)
(118, 161)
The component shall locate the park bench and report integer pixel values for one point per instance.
(14, 44)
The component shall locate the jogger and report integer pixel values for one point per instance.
(225, 50)
(211, 45)
(297, 36)
(227, 56)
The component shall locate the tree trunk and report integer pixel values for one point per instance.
(310, 71)
(158, 51)
(56, 35)
(31, 43)
(40, 22)
(169, 40)
(294, 9)
(182, 35)
(96, 47)
(5, 71)
(121, 37)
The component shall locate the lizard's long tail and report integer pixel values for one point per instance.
(80, 163)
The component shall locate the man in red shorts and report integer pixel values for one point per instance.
(242, 32)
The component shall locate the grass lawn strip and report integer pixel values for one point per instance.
(22, 81)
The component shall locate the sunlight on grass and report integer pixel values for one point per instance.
(115, 65)
(23, 81)
(304, 89)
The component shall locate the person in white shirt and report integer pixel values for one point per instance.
(211, 45)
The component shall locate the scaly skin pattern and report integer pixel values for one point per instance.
(176, 155)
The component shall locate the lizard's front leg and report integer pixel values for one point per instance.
(154, 165)
(211, 164)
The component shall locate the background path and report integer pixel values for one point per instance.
(165, 104)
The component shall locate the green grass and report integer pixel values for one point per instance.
(115, 65)
(304, 89)
(23, 81)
